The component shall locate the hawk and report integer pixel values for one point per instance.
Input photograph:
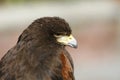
(40, 53)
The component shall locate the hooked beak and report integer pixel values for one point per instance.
(67, 40)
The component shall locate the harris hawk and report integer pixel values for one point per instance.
(40, 53)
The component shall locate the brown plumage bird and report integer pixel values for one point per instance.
(40, 52)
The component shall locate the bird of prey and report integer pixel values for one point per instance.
(40, 53)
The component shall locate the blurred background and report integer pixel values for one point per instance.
(95, 24)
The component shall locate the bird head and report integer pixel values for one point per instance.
(59, 29)
(52, 30)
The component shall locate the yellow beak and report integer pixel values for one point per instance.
(67, 40)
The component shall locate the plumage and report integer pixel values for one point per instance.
(38, 55)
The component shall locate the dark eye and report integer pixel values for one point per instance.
(58, 34)
(61, 33)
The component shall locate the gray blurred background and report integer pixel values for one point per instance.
(95, 24)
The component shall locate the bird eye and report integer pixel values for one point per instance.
(58, 34)
(61, 33)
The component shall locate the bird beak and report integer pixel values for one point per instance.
(67, 40)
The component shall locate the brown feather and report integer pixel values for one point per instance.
(37, 54)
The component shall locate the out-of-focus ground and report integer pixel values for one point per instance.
(95, 25)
